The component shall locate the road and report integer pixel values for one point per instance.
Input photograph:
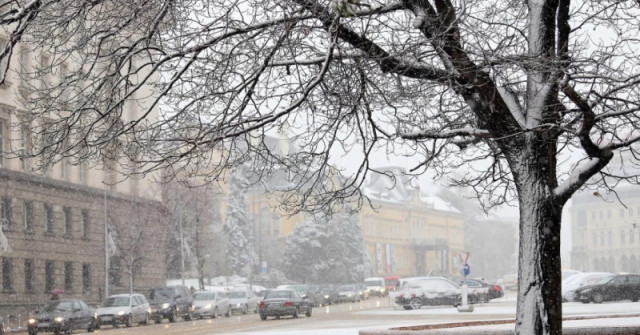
(346, 319)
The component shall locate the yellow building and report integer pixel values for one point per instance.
(409, 234)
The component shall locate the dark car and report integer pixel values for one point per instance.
(612, 288)
(170, 302)
(64, 315)
(283, 302)
(429, 291)
(326, 292)
(480, 291)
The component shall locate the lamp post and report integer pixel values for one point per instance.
(106, 241)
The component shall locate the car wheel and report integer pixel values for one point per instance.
(598, 298)
(407, 307)
(228, 314)
(309, 312)
(146, 319)
(295, 313)
(157, 321)
(246, 309)
(33, 331)
(216, 314)
(92, 326)
(129, 321)
(187, 317)
(570, 296)
(173, 316)
(415, 303)
(263, 317)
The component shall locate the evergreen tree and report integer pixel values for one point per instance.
(322, 250)
(240, 253)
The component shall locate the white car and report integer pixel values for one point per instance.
(126, 309)
(576, 281)
(211, 304)
(243, 301)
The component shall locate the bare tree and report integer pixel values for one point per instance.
(507, 88)
(128, 241)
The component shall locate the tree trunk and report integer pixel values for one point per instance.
(539, 267)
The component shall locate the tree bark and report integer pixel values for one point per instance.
(539, 280)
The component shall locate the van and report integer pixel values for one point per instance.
(391, 282)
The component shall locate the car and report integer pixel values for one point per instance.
(391, 283)
(570, 284)
(326, 294)
(429, 291)
(363, 291)
(305, 291)
(243, 301)
(347, 293)
(612, 288)
(509, 282)
(62, 316)
(282, 302)
(481, 291)
(123, 309)
(211, 304)
(170, 302)
(376, 286)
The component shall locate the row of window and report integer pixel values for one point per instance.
(623, 212)
(624, 238)
(625, 264)
(49, 218)
(50, 280)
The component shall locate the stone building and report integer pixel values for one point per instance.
(54, 222)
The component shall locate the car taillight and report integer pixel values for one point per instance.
(497, 288)
(261, 303)
(288, 303)
(413, 295)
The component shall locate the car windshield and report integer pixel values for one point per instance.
(237, 295)
(115, 302)
(605, 280)
(65, 306)
(346, 288)
(391, 282)
(205, 296)
(326, 289)
(161, 293)
(279, 295)
(376, 282)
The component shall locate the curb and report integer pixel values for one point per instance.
(459, 328)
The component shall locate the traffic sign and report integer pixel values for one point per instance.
(465, 269)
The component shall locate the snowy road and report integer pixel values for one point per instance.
(348, 319)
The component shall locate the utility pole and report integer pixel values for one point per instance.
(181, 241)
(106, 241)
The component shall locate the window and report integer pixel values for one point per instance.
(68, 277)
(68, 224)
(82, 173)
(630, 211)
(622, 237)
(6, 212)
(64, 167)
(602, 239)
(608, 214)
(86, 278)
(25, 150)
(610, 238)
(631, 237)
(621, 212)
(48, 219)
(49, 276)
(27, 216)
(28, 276)
(4, 138)
(7, 272)
(85, 224)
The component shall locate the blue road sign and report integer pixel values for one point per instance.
(465, 269)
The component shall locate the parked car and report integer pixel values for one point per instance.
(612, 288)
(576, 281)
(429, 291)
(170, 302)
(347, 293)
(509, 282)
(125, 309)
(376, 286)
(211, 304)
(243, 301)
(64, 315)
(480, 291)
(283, 302)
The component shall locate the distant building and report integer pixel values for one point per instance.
(407, 233)
(605, 233)
(53, 222)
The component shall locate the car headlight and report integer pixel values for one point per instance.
(32, 321)
(58, 319)
(207, 306)
(166, 305)
(120, 312)
(350, 294)
(326, 296)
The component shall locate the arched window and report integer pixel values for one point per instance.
(602, 239)
(631, 237)
(610, 238)
(624, 264)
(633, 264)
(622, 237)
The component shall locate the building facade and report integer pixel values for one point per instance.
(606, 232)
(54, 222)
